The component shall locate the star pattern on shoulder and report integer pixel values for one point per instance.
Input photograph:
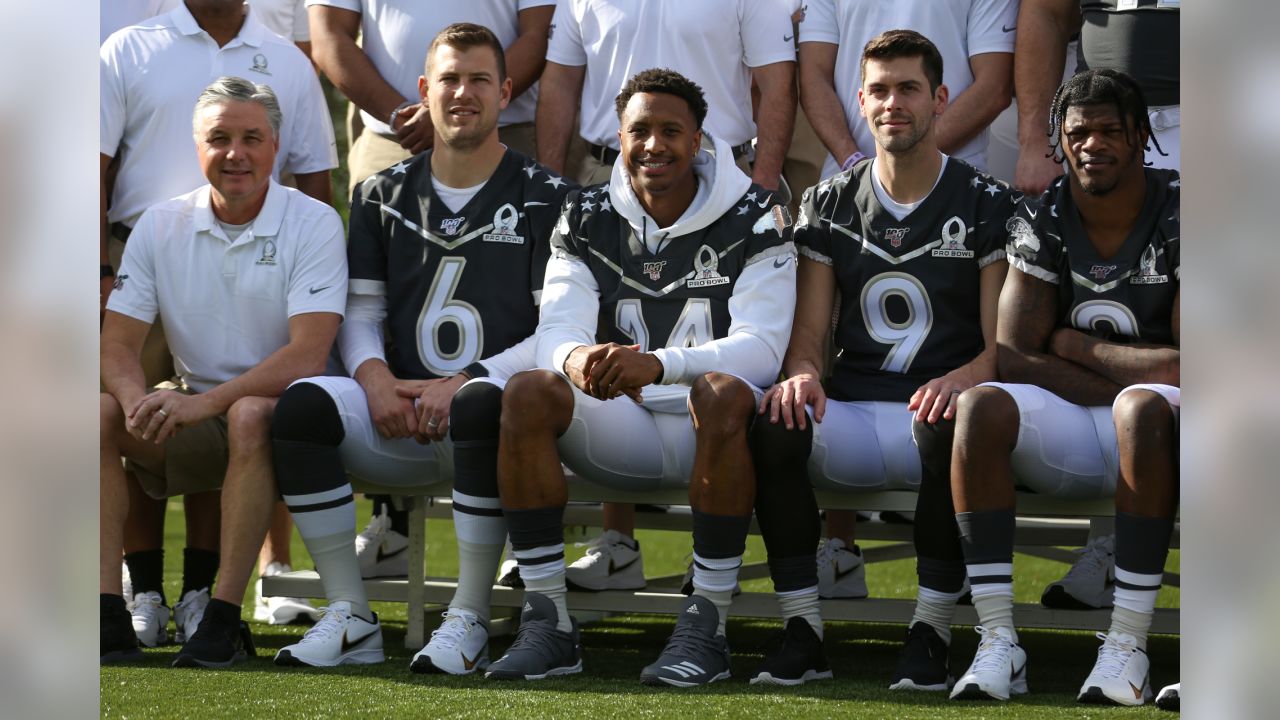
(975, 181)
(1053, 210)
(605, 204)
(743, 210)
(555, 181)
(751, 196)
(588, 206)
(589, 194)
(530, 170)
(992, 189)
(399, 168)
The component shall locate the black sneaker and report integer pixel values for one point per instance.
(695, 654)
(797, 658)
(221, 640)
(118, 642)
(539, 650)
(923, 662)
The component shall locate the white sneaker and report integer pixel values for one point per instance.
(381, 551)
(611, 563)
(188, 613)
(150, 619)
(339, 638)
(280, 610)
(1090, 583)
(1170, 697)
(841, 571)
(1121, 675)
(999, 668)
(458, 647)
(126, 586)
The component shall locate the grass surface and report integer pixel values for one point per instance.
(862, 656)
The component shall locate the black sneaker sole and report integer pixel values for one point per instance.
(1056, 597)
(553, 672)
(972, 692)
(117, 656)
(191, 661)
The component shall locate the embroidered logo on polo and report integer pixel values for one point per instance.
(268, 253)
(1147, 274)
(953, 235)
(896, 235)
(260, 64)
(449, 226)
(704, 267)
(504, 226)
(119, 283)
(653, 269)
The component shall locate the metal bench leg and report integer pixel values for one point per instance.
(415, 634)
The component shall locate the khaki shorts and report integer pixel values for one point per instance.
(195, 459)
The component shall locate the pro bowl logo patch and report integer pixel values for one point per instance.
(953, 234)
(1147, 273)
(504, 226)
(704, 268)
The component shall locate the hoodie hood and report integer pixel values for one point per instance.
(721, 183)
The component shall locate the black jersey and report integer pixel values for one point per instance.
(909, 289)
(1127, 296)
(460, 286)
(1138, 37)
(679, 296)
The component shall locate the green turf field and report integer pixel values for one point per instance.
(862, 656)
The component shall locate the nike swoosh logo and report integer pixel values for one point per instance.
(615, 568)
(780, 262)
(846, 572)
(1033, 213)
(469, 663)
(348, 643)
(383, 556)
(787, 38)
(1013, 675)
(1137, 692)
(320, 289)
(764, 203)
(1009, 29)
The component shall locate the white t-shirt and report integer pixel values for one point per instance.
(959, 28)
(226, 304)
(714, 43)
(893, 207)
(117, 14)
(150, 77)
(286, 18)
(396, 34)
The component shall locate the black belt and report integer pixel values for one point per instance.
(606, 155)
(120, 231)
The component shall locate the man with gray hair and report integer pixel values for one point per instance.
(250, 279)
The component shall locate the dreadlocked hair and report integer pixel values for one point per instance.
(1103, 86)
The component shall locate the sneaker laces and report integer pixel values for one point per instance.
(993, 652)
(1114, 655)
(332, 621)
(373, 533)
(451, 632)
(687, 640)
(1094, 558)
(146, 604)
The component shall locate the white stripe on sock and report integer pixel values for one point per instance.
(476, 501)
(318, 497)
(1133, 578)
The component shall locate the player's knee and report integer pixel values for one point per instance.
(249, 421)
(1143, 410)
(720, 401)
(934, 441)
(476, 412)
(988, 411)
(535, 399)
(306, 413)
(774, 445)
(110, 418)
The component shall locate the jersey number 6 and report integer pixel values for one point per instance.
(443, 309)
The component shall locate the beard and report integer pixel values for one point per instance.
(904, 141)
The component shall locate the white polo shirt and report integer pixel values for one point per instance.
(286, 18)
(117, 14)
(959, 28)
(395, 34)
(150, 77)
(714, 43)
(226, 302)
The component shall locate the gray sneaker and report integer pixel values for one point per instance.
(540, 650)
(695, 654)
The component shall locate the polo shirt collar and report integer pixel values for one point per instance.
(251, 33)
(266, 224)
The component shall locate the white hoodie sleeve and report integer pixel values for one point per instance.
(360, 335)
(517, 358)
(569, 312)
(762, 307)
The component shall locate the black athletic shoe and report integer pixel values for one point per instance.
(221, 640)
(923, 662)
(797, 658)
(118, 642)
(695, 654)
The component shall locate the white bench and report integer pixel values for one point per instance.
(1044, 524)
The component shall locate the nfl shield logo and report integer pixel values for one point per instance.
(449, 226)
(1101, 271)
(654, 269)
(896, 235)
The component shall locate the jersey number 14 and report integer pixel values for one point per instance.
(692, 328)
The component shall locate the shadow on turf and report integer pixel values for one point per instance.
(862, 656)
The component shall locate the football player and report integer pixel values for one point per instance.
(1088, 400)
(447, 252)
(686, 271)
(912, 244)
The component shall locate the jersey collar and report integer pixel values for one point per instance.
(266, 224)
(251, 33)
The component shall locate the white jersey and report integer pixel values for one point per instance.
(713, 43)
(396, 34)
(959, 28)
(150, 77)
(226, 302)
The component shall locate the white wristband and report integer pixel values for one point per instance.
(391, 123)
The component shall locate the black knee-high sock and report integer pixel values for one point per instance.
(786, 508)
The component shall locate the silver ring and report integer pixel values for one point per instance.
(433, 423)
(161, 412)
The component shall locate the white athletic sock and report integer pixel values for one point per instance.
(936, 609)
(802, 603)
(715, 580)
(546, 579)
(993, 599)
(1135, 608)
(477, 565)
(329, 532)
